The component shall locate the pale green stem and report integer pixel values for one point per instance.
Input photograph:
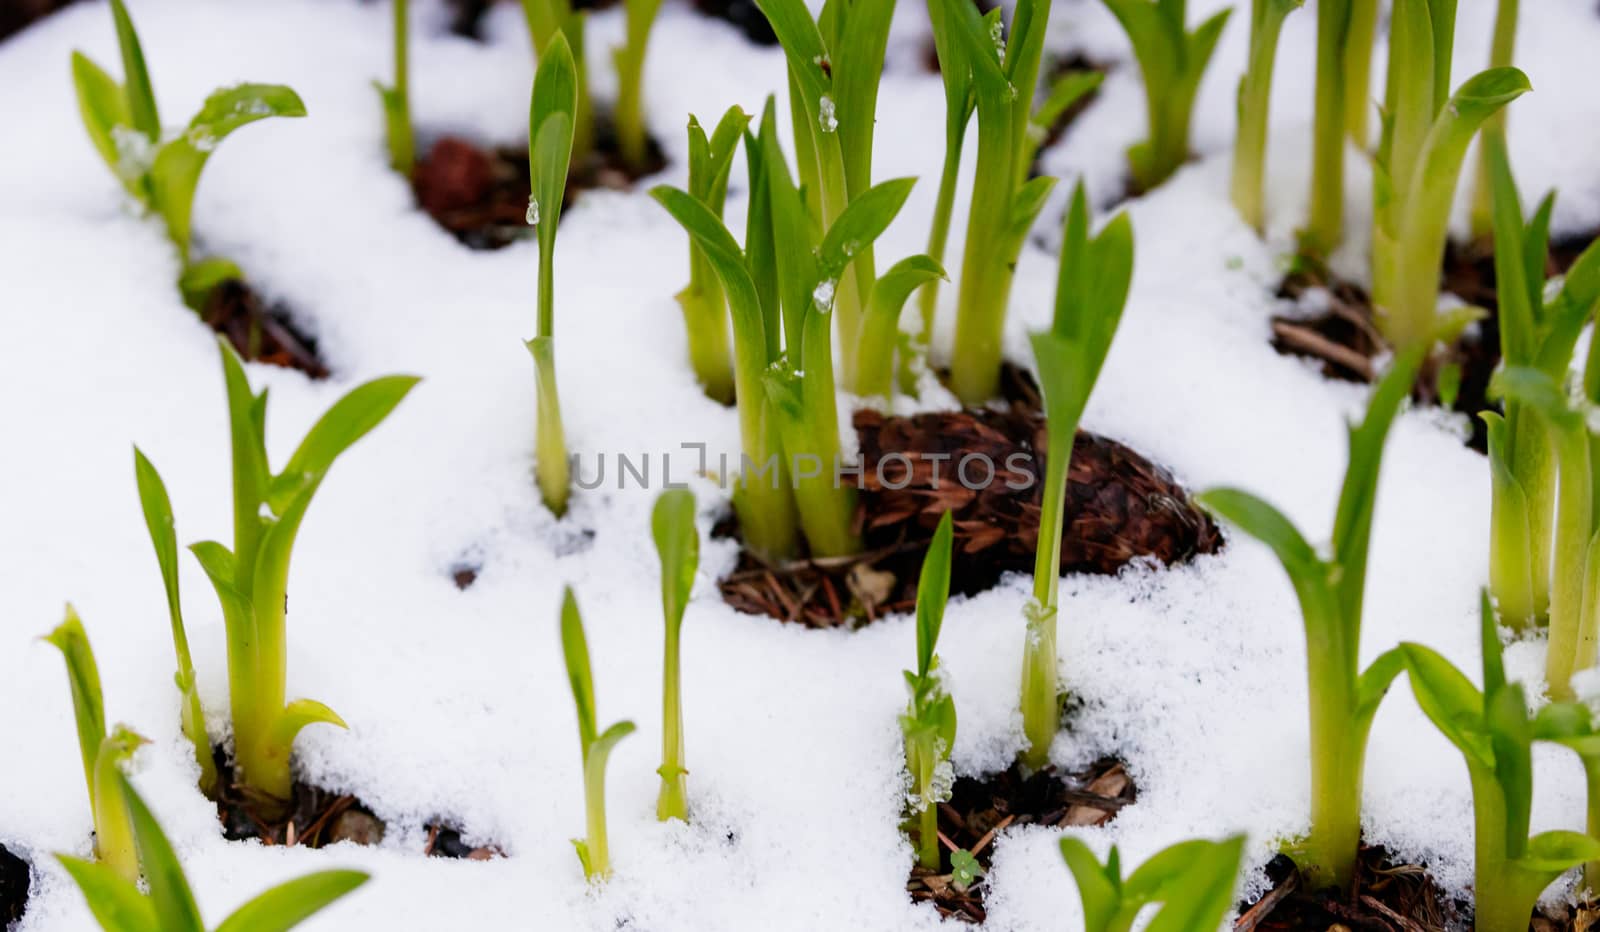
(705, 316)
(113, 843)
(1591, 776)
(1255, 97)
(594, 788)
(928, 835)
(1338, 752)
(1325, 225)
(551, 468)
(1571, 545)
(939, 234)
(1040, 686)
(1535, 467)
(985, 273)
(673, 802)
(1501, 52)
(1499, 905)
(1358, 104)
(402, 144)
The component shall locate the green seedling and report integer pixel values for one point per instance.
(396, 98)
(1494, 734)
(628, 119)
(556, 90)
(1539, 335)
(1502, 49)
(705, 309)
(103, 754)
(162, 172)
(929, 722)
(1344, 698)
(592, 849)
(1426, 133)
(252, 579)
(120, 905)
(157, 507)
(1095, 274)
(550, 18)
(1255, 100)
(1192, 880)
(678, 546)
(1172, 61)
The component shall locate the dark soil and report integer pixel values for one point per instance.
(1121, 507)
(1345, 337)
(979, 809)
(16, 15)
(481, 195)
(14, 881)
(258, 332)
(467, 19)
(743, 15)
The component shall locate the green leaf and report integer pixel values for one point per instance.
(1374, 682)
(1494, 668)
(933, 592)
(551, 125)
(295, 717)
(289, 904)
(349, 419)
(141, 96)
(1196, 883)
(964, 869)
(1451, 701)
(863, 221)
(117, 903)
(678, 546)
(199, 278)
(83, 677)
(1068, 90)
(1559, 852)
(1099, 889)
(1541, 394)
(104, 106)
(803, 46)
(1267, 524)
(169, 890)
(575, 649)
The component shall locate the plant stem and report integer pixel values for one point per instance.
(1498, 904)
(1535, 467)
(1040, 688)
(1338, 751)
(939, 234)
(1255, 98)
(928, 836)
(1325, 225)
(594, 787)
(673, 802)
(1501, 51)
(629, 114)
(551, 468)
(985, 272)
(402, 144)
(1571, 546)
(1358, 70)
(705, 316)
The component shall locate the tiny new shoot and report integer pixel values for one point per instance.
(628, 119)
(103, 754)
(1172, 61)
(550, 18)
(160, 172)
(1095, 275)
(396, 98)
(1426, 134)
(157, 507)
(678, 546)
(1344, 698)
(705, 309)
(1539, 335)
(1494, 734)
(1255, 100)
(120, 905)
(550, 134)
(592, 849)
(1193, 881)
(929, 722)
(251, 580)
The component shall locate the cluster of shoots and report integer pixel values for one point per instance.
(160, 170)
(1193, 881)
(1092, 288)
(705, 309)
(678, 547)
(593, 850)
(929, 722)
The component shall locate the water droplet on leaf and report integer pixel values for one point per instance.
(533, 211)
(826, 115)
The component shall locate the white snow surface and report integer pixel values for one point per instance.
(457, 701)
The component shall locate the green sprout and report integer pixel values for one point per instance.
(1172, 61)
(1192, 880)
(1426, 133)
(1494, 734)
(119, 905)
(548, 19)
(592, 849)
(1539, 335)
(705, 310)
(1092, 289)
(556, 92)
(396, 99)
(964, 869)
(929, 722)
(1255, 99)
(1343, 697)
(160, 173)
(678, 546)
(1502, 48)
(1338, 51)
(157, 507)
(628, 119)
(1361, 31)
(252, 579)
(103, 754)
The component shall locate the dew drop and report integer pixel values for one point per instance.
(533, 212)
(997, 34)
(135, 151)
(822, 297)
(826, 115)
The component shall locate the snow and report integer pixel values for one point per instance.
(458, 703)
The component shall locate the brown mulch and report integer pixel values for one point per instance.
(1388, 897)
(16, 15)
(14, 881)
(481, 195)
(466, 19)
(1345, 337)
(258, 332)
(743, 15)
(979, 809)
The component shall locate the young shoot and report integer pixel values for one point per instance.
(546, 20)
(705, 309)
(556, 91)
(120, 905)
(251, 580)
(1255, 104)
(1330, 589)
(1361, 31)
(157, 507)
(1092, 289)
(1501, 50)
(1494, 734)
(628, 119)
(103, 754)
(160, 170)
(678, 546)
(929, 722)
(592, 849)
(1193, 881)
(1539, 335)
(1172, 61)
(396, 98)
(1339, 51)
(1426, 133)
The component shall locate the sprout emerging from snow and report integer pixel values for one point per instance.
(929, 722)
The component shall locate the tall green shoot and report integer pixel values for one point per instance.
(556, 91)
(958, 106)
(628, 120)
(157, 507)
(1361, 32)
(1095, 274)
(1337, 46)
(1255, 105)
(929, 722)
(1172, 61)
(678, 546)
(251, 580)
(1502, 49)
(593, 851)
(705, 308)
(547, 19)
(396, 98)
(1344, 698)
(1193, 881)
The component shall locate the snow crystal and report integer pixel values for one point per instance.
(825, 114)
